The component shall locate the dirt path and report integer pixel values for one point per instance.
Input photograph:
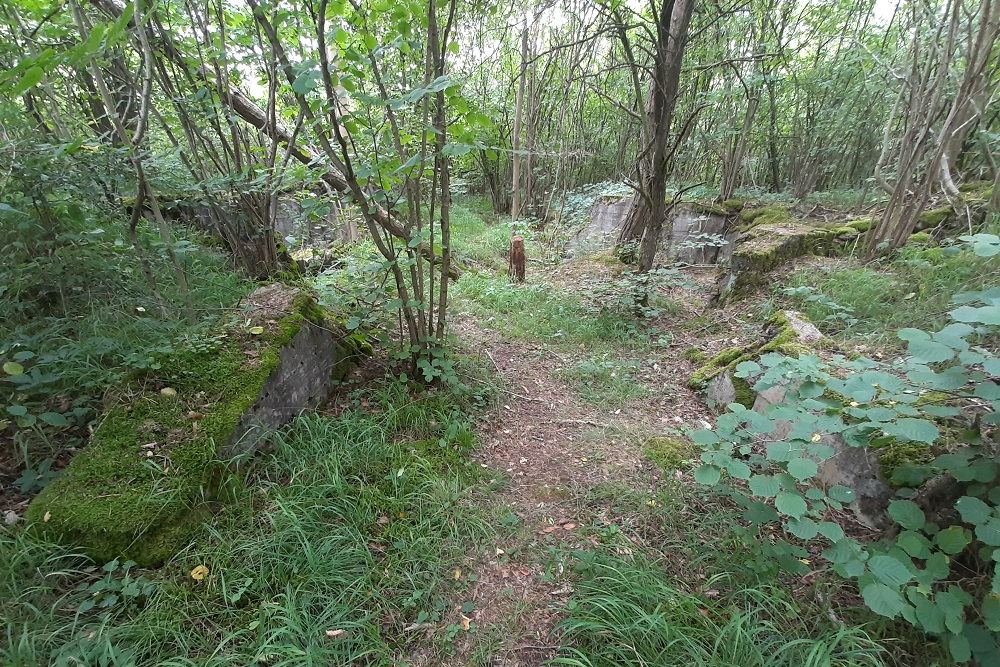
(555, 450)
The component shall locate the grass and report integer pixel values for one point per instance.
(628, 612)
(80, 318)
(675, 578)
(482, 239)
(540, 312)
(914, 286)
(353, 524)
(606, 381)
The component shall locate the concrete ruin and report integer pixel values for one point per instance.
(171, 441)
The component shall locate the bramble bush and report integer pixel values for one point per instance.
(937, 568)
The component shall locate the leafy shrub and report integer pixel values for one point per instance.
(79, 316)
(939, 571)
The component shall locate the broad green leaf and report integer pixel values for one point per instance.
(704, 437)
(914, 544)
(707, 474)
(28, 80)
(831, 531)
(765, 486)
(989, 532)
(928, 351)
(13, 368)
(953, 539)
(973, 510)
(982, 315)
(907, 514)
(918, 430)
(758, 513)
(929, 616)
(990, 610)
(305, 82)
(738, 469)
(802, 468)
(883, 600)
(952, 608)
(791, 504)
(889, 570)
(844, 494)
(959, 648)
(804, 528)
(53, 419)
(841, 552)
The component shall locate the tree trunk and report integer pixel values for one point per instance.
(647, 216)
(515, 141)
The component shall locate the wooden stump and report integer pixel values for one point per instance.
(516, 268)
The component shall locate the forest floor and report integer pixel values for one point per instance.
(590, 438)
(540, 512)
(559, 452)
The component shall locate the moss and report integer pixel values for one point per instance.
(934, 217)
(745, 395)
(694, 354)
(977, 190)
(669, 453)
(769, 245)
(861, 224)
(845, 231)
(715, 365)
(766, 215)
(892, 454)
(782, 339)
(920, 238)
(708, 207)
(132, 491)
(733, 205)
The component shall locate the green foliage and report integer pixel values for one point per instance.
(630, 613)
(354, 523)
(136, 489)
(540, 311)
(870, 302)
(633, 293)
(606, 381)
(78, 314)
(668, 452)
(911, 575)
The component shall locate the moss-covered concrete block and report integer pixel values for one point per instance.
(138, 489)
(786, 332)
(767, 246)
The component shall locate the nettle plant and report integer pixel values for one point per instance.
(937, 564)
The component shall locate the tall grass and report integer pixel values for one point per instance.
(628, 613)
(353, 525)
(541, 312)
(913, 288)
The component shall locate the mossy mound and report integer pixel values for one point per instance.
(765, 215)
(137, 489)
(710, 208)
(669, 453)
(782, 334)
(694, 355)
(733, 205)
(765, 247)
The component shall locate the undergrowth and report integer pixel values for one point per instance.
(347, 534)
(872, 302)
(541, 312)
(628, 612)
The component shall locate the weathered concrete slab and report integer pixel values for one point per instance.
(690, 225)
(135, 490)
